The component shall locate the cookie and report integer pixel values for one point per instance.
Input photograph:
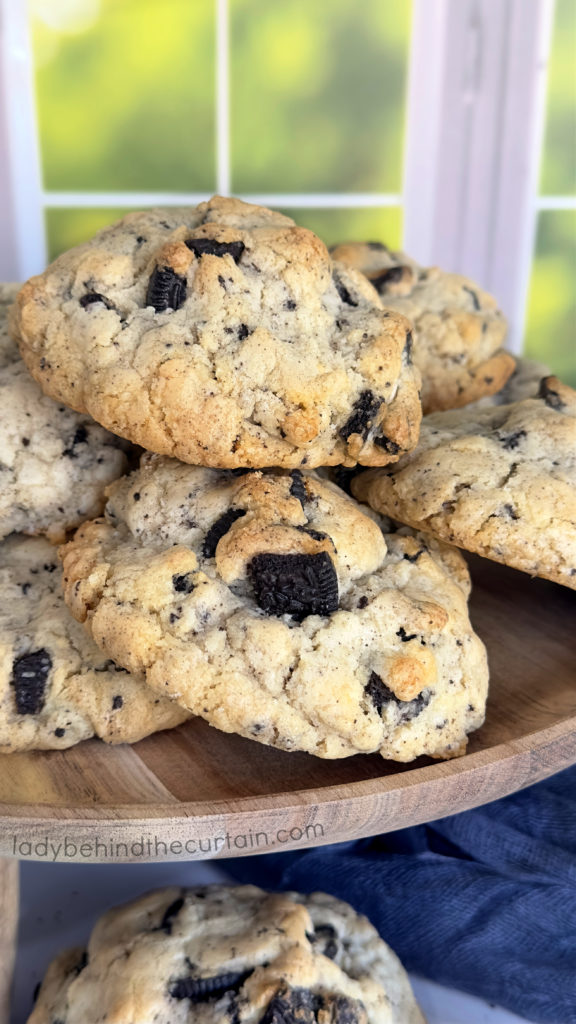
(524, 383)
(273, 607)
(458, 329)
(8, 347)
(226, 336)
(238, 955)
(54, 463)
(56, 686)
(498, 481)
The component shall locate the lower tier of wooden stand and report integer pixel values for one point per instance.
(196, 793)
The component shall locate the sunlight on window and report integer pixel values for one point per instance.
(551, 314)
(559, 154)
(318, 95)
(551, 330)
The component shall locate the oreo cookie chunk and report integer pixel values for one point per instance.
(226, 314)
(265, 602)
(232, 955)
(497, 480)
(458, 329)
(56, 686)
(55, 464)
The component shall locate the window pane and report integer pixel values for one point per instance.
(551, 328)
(125, 93)
(318, 94)
(66, 228)
(559, 154)
(69, 227)
(333, 226)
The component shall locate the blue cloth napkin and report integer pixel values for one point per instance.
(483, 901)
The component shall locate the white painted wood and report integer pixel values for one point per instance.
(222, 99)
(423, 124)
(23, 250)
(309, 200)
(556, 202)
(514, 204)
(476, 93)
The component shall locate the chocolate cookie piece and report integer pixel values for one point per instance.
(56, 686)
(497, 480)
(267, 602)
(233, 956)
(458, 329)
(231, 335)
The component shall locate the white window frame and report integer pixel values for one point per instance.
(475, 115)
(475, 129)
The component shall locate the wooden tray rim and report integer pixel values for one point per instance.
(508, 753)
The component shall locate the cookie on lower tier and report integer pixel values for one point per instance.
(498, 481)
(273, 606)
(458, 329)
(54, 463)
(56, 686)
(223, 335)
(220, 955)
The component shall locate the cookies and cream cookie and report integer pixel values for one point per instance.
(458, 329)
(226, 336)
(220, 955)
(273, 606)
(56, 686)
(499, 481)
(54, 463)
(524, 383)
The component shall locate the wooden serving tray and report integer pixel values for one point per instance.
(195, 793)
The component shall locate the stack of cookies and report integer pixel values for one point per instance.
(226, 574)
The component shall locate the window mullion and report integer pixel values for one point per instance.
(21, 213)
(222, 98)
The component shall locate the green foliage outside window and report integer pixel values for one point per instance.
(551, 314)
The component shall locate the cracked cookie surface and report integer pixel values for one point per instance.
(273, 606)
(237, 955)
(54, 463)
(56, 686)
(226, 336)
(458, 329)
(497, 481)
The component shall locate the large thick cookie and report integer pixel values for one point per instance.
(54, 463)
(458, 328)
(56, 686)
(226, 336)
(499, 481)
(273, 607)
(229, 956)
